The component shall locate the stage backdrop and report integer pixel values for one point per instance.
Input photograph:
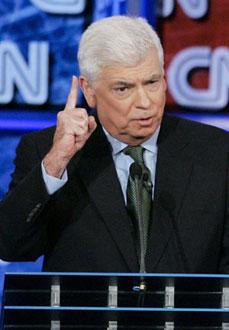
(38, 44)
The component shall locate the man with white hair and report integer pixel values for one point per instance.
(76, 197)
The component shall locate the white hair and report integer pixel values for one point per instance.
(121, 40)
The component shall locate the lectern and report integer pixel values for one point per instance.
(113, 301)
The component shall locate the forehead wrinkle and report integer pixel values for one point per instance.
(144, 71)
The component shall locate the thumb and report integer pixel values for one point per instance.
(91, 124)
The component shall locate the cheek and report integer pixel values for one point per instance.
(164, 85)
(161, 99)
(111, 114)
(119, 118)
(117, 111)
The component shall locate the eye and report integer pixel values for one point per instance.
(152, 82)
(121, 89)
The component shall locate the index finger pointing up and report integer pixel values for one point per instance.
(73, 95)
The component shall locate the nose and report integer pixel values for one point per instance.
(142, 98)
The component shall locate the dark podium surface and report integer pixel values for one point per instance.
(115, 301)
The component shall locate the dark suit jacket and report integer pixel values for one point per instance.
(85, 226)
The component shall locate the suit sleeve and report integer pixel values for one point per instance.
(23, 218)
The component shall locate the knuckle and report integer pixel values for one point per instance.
(81, 131)
(82, 111)
(60, 114)
(61, 118)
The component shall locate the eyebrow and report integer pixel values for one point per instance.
(122, 83)
(129, 84)
(154, 77)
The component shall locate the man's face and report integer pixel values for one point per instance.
(130, 100)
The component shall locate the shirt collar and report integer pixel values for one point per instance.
(118, 146)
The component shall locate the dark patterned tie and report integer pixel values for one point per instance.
(139, 194)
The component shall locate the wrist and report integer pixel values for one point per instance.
(55, 164)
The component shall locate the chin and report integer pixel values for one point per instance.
(143, 132)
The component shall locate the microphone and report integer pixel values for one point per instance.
(137, 175)
(135, 171)
(168, 203)
(147, 183)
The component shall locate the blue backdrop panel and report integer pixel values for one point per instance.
(7, 152)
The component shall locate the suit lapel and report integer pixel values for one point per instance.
(97, 171)
(173, 172)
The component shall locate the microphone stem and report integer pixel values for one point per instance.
(141, 228)
(137, 176)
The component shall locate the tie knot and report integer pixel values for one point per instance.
(136, 152)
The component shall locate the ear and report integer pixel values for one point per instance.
(88, 91)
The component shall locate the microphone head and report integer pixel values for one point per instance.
(135, 171)
(145, 176)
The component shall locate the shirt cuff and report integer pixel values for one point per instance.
(52, 183)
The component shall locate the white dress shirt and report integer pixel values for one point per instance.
(123, 162)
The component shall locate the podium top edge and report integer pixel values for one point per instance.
(162, 275)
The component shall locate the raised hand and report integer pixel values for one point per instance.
(73, 129)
